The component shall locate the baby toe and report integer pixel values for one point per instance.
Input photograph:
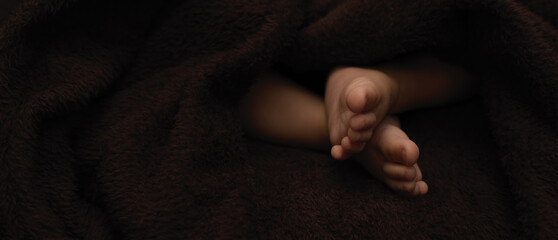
(359, 136)
(399, 172)
(406, 187)
(352, 147)
(419, 173)
(403, 151)
(410, 152)
(362, 96)
(422, 187)
(361, 122)
(338, 153)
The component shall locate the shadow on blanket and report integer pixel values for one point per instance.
(118, 121)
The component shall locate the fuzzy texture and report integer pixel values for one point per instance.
(118, 121)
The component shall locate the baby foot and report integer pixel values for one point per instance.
(392, 157)
(356, 99)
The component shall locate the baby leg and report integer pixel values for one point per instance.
(280, 111)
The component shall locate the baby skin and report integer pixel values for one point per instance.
(353, 120)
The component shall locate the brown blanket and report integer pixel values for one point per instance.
(118, 120)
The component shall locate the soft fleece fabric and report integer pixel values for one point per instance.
(118, 121)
